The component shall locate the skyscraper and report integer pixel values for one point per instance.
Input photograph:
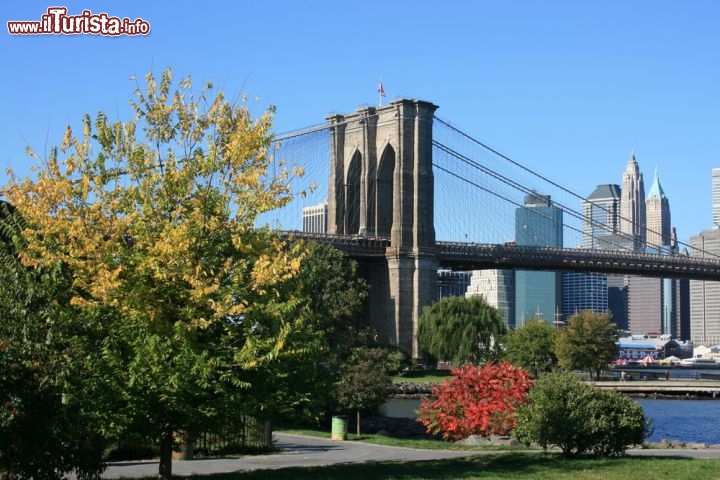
(653, 302)
(601, 219)
(314, 218)
(538, 294)
(659, 233)
(632, 203)
(498, 288)
(582, 291)
(716, 197)
(705, 296)
(452, 283)
(645, 305)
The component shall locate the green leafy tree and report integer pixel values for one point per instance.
(154, 220)
(461, 329)
(579, 418)
(363, 385)
(587, 343)
(46, 425)
(330, 298)
(532, 346)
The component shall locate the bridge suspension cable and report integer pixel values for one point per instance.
(551, 187)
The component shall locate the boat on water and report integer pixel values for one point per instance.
(697, 362)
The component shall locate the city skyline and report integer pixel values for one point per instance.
(568, 89)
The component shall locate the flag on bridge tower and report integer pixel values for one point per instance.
(381, 93)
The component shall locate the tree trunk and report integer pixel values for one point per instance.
(166, 449)
(357, 423)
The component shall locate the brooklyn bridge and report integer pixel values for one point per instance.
(406, 193)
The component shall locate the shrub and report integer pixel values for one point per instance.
(579, 418)
(616, 423)
(478, 400)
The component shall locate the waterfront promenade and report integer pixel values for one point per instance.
(681, 387)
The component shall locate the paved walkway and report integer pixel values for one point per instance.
(303, 451)
(295, 451)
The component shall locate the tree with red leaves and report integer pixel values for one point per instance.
(478, 400)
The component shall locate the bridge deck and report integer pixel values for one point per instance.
(478, 256)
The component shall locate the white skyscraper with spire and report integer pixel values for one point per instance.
(632, 203)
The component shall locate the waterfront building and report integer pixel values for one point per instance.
(637, 347)
(632, 203)
(314, 218)
(705, 296)
(498, 288)
(538, 294)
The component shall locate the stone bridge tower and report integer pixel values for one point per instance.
(381, 184)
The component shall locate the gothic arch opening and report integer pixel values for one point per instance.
(352, 195)
(384, 204)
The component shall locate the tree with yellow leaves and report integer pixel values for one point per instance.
(155, 220)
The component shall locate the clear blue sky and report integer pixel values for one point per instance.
(568, 88)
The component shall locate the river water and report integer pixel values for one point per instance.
(685, 420)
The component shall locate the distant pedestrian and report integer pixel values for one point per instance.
(667, 374)
(622, 376)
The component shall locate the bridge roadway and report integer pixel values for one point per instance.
(478, 256)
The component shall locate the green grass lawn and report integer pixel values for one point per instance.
(432, 376)
(502, 466)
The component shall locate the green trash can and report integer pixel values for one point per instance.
(339, 427)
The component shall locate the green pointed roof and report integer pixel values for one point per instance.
(656, 190)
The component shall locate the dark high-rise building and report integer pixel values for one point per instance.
(601, 217)
(538, 294)
(601, 229)
(582, 291)
(618, 299)
(452, 283)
